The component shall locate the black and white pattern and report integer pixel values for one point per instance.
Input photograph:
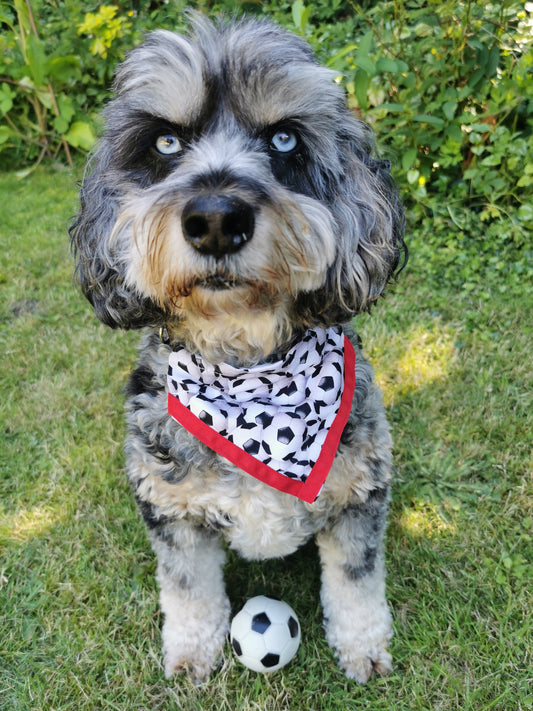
(280, 413)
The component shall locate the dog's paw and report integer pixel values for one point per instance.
(361, 645)
(196, 662)
(362, 665)
(193, 640)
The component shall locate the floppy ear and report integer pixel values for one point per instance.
(99, 267)
(370, 224)
(369, 208)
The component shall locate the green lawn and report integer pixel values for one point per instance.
(79, 617)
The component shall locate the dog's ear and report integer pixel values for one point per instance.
(370, 225)
(100, 270)
(371, 218)
(369, 221)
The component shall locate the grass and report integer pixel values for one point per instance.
(78, 603)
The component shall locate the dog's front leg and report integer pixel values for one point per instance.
(357, 618)
(193, 600)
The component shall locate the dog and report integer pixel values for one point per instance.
(236, 210)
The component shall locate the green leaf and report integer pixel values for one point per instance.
(23, 15)
(384, 64)
(493, 61)
(64, 68)
(80, 135)
(409, 158)
(525, 213)
(362, 60)
(401, 66)
(60, 124)
(44, 96)
(524, 182)
(5, 134)
(392, 108)
(366, 43)
(492, 160)
(410, 80)
(476, 77)
(454, 132)
(6, 98)
(361, 84)
(300, 15)
(66, 112)
(366, 64)
(6, 19)
(428, 118)
(36, 60)
(449, 108)
(332, 61)
(66, 107)
(480, 127)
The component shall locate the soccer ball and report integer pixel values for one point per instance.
(265, 634)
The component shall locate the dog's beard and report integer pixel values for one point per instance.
(238, 306)
(290, 252)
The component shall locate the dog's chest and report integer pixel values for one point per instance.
(256, 520)
(269, 526)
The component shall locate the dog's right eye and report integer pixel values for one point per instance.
(167, 144)
(284, 141)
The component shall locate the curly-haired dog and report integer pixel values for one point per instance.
(236, 204)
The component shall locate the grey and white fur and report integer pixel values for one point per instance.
(234, 201)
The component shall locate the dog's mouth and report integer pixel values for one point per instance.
(219, 282)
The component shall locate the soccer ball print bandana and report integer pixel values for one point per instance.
(280, 422)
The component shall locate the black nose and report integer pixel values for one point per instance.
(217, 224)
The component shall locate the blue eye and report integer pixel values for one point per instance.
(167, 144)
(284, 141)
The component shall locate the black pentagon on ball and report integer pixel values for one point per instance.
(289, 389)
(326, 383)
(303, 410)
(270, 660)
(236, 647)
(285, 435)
(293, 627)
(260, 622)
(251, 446)
(206, 417)
(264, 419)
(243, 424)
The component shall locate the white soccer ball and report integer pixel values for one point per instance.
(265, 634)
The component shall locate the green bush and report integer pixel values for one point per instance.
(450, 85)
(39, 116)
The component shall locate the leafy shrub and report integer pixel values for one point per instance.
(39, 117)
(104, 28)
(450, 86)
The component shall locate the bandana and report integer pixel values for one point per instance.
(280, 422)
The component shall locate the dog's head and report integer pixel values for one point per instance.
(233, 195)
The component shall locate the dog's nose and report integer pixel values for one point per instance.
(217, 224)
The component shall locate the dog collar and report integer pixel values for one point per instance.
(280, 422)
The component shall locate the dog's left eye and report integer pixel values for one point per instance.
(167, 144)
(284, 141)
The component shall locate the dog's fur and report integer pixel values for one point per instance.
(323, 240)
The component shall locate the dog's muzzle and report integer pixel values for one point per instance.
(217, 225)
